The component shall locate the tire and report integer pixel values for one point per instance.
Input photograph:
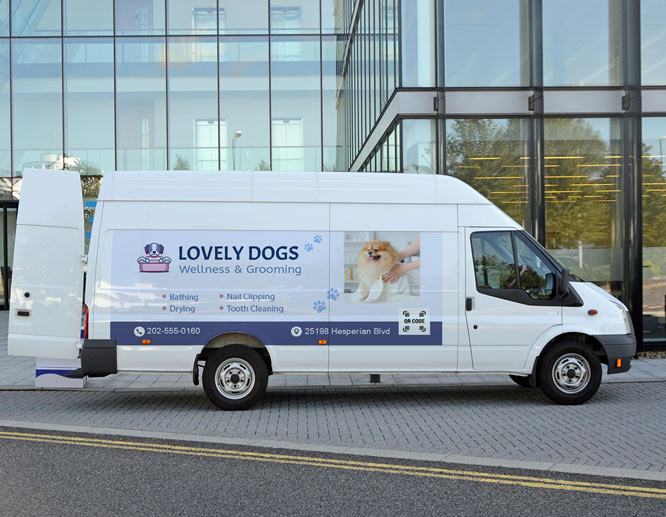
(569, 373)
(235, 378)
(521, 381)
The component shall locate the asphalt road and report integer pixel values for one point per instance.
(55, 473)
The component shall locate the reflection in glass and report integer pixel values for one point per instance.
(244, 103)
(139, 17)
(332, 16)
(487, 42)
(86, 18)
(37, 104)
(35, 17)
(535, 275)
(89, 131)
(654, 236)
(419, 141)
(491, 155)
(295, 109)
(494, 263)
(246, 17)
(584, 178)
(294, 16)
(4, 18)
(193, 126)
(582, 43)
(193, 16)
(653, 42)
(418, 43)
(140, 104)
(5, 149)
(333, 135)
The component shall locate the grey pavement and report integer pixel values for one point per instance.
(488, 420)
(18, 372)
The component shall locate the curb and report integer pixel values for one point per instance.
(353, 451)
(311, 387)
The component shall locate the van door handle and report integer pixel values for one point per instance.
(468, 304)
(23, 313)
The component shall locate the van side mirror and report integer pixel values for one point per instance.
(563, 284)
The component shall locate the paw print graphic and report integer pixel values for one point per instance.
(308, 247)
(317, 238)
(319, 306)
(333, 294)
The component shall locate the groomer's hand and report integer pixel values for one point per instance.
(393, 274)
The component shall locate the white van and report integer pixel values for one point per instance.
(247, 274)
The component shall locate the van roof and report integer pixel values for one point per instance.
(303, 187)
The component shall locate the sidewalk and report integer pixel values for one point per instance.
(487, 421)
(19, 373)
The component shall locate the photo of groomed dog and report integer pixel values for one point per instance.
(376, 259)
(381, 267)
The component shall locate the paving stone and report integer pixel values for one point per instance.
(479, 416)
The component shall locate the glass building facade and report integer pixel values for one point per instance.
(553, 109)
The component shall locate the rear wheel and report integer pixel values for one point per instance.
(521, 380)
(235, 377)
(569, 373)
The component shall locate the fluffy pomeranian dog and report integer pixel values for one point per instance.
(376, 258)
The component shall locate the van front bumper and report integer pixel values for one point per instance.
(618, 346)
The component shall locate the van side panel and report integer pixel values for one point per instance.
(385, 332)
(221, 277)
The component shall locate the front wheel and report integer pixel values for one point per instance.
(569, 373)
(235, 377)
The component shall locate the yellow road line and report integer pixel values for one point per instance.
(388, 468)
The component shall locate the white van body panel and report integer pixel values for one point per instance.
(608, 319)
(182, 217)
(47, 285)
(488, 216)
(334, 214)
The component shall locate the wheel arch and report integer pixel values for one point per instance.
(236, 338)
(579, 337)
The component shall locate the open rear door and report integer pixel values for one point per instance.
(47, 285)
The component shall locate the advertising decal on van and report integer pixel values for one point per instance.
(285, 288)
(154, 260)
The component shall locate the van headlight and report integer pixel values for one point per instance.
(627, 322)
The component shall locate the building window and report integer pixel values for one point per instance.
(583, 198)
(654, 236)
(288, 152)
(286, 19)
(206, 143)
(203, 19)
(492, 156)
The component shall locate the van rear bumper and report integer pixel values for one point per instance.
(98, 359)
(618, 346)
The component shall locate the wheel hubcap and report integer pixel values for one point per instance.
(571, 373)
(234, 378)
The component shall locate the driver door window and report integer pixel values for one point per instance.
(507, 260)
(494, 264)
(536, 276)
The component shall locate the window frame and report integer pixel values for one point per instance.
(517, 294)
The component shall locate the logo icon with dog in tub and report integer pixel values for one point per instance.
(153, 260)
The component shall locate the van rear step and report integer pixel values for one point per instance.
(98, 359)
